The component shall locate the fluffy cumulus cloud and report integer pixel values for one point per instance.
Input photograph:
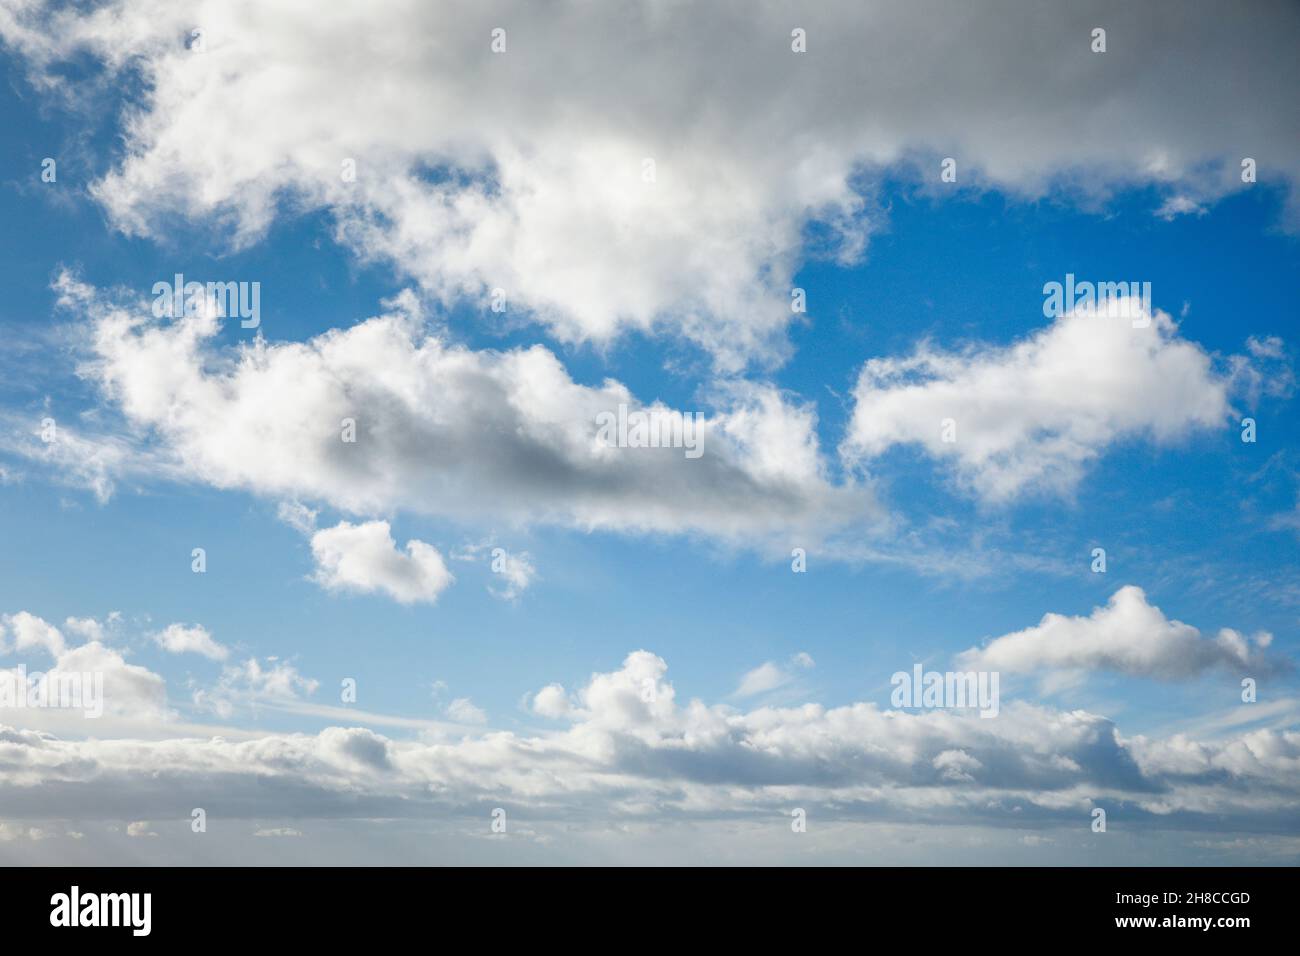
(1126, 636)
(551, 701)
(364, 558)
(389, 415)
(94, 686)
(194, 639)
(679, 199)
(446, 430)
(1035, 414)
(630, 751)
(28, 632)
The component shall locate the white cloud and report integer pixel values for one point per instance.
(1033, 415)
(180, 639)
(297, 516)
(1126, 636)
(30, 632)
(956, 765)
(462, 710)
(518, 171)
(516, 570)
(86, 628)
(766, 676)
(131, 692)
(1176, 206)
(126, 694)
(770, 676)
(251, 683)
(449, 431)
(552, 701)
(364, 558)
(1269, 347)
(631, 752)
(10, 832)
(139, 828)
(96, 462)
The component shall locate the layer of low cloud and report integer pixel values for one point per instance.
(629, 751)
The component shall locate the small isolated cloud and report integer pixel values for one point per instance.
(515, 570)
(364, 558)
(139, 828)
(463, 711)
(1127, 636)
(1176, 206)
(29, 632)
(769, 676)
(277, 832)
(551, 701)
(1034, 839)
(766, 676)
(297, 516)
(182, 639)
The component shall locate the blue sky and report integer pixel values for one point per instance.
(933, 565)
